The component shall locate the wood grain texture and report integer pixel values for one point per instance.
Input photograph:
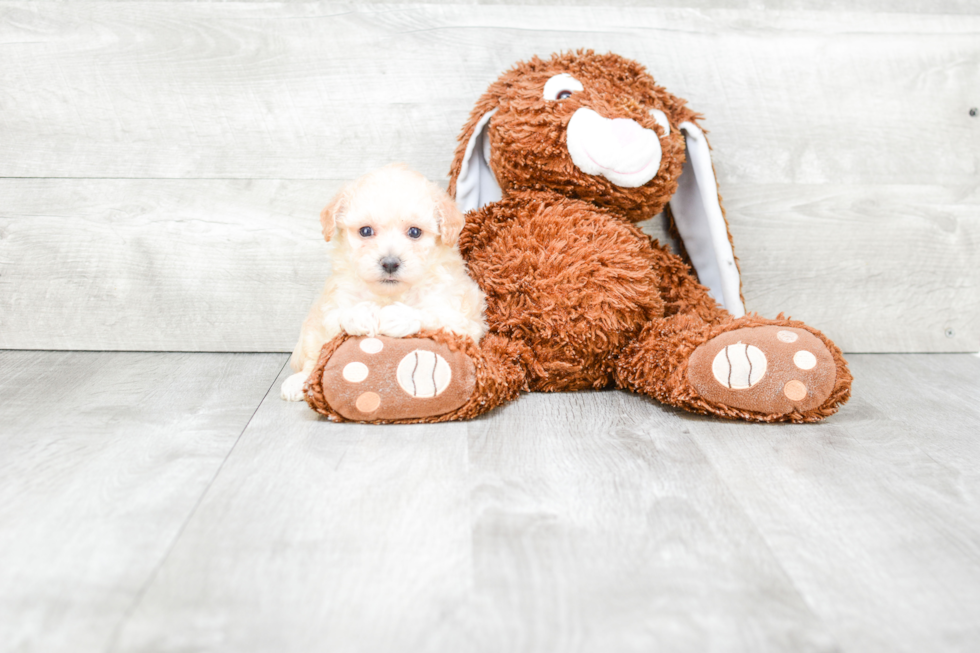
(875, 513)
(102, 459)
(883, 268)
(591, 521)
(205, 265)
(587, 522)
(324, 91)
(843, 142)
(233, 265)
(600, 526)
(318, 537)
(968, 7)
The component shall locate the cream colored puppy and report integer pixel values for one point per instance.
(396, 268)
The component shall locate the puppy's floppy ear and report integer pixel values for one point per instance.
(448, 216)
(331, 212)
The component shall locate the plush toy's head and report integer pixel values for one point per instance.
(597, 128)
(589, 126)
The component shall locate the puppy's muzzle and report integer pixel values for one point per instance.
(390, 264)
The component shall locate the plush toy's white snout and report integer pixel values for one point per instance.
(620, 150)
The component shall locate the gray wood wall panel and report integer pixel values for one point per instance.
(308, 91)
(968, 7)
(847, 157)
(881, 268)
(200, 265)
(233, 265)
(103, 457)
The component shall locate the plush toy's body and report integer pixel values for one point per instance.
(559, 160)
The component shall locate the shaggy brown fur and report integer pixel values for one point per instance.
(577, 296)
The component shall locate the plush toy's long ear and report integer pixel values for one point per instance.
(701, 224)
(475, 186)
(329, 214)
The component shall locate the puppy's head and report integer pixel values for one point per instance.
(390, 226)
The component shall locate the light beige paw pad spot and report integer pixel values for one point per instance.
(372, 345)
(368, 402)
(739, 366)
(787, 336)
(355, 372)
(794, 390)
(804, 360)
(423, 374)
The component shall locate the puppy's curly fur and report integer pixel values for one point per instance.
(396, 269)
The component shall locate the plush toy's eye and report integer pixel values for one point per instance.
(414, 232)
(366, 232)
(661, 119)
(561, 86)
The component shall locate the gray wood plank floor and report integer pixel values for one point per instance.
(168, 502)
(103, 457)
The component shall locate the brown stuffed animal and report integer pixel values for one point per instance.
(558, 161)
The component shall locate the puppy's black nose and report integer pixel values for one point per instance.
(390, 264)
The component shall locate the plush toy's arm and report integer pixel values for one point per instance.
(681, 291)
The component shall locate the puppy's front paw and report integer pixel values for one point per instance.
(292, 387)
(398, 320)
(360, 320)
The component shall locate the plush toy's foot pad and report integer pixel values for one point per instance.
(372, 379)
(768, 369)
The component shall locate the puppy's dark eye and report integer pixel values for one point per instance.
(414, 232)
(366, 232)
(564, 94)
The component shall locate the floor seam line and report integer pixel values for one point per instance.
(113, 641)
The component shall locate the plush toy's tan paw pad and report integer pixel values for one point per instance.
(770, 369)
(369, 379)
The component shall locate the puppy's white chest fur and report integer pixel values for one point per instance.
(367, 319)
